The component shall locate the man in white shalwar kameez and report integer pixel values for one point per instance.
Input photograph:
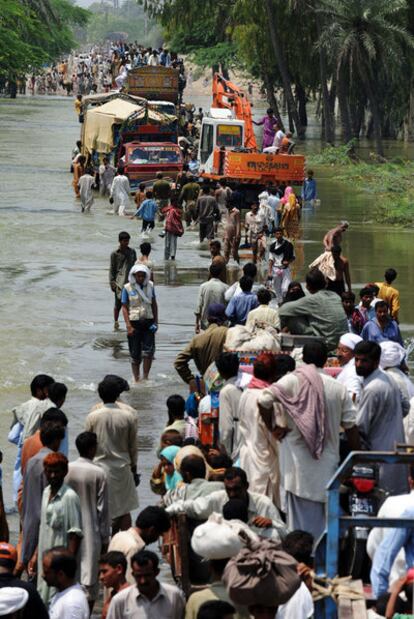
(120, 190)
(228, 366)
(86, 183)
(348, 376)
(380, 417)
(117, 432)
(259, 449)
(305, 475)
(90, 483)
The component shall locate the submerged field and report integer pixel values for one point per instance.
(389, 184)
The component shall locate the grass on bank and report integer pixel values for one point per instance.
(390, 182)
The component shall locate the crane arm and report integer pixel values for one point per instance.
(228, 95)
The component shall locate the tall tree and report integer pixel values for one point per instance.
(283, 68)
(365, 39)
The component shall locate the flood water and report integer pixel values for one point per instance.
(56, 304)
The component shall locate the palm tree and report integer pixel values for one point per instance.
(364, 39)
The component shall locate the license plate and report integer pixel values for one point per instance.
(362, 505)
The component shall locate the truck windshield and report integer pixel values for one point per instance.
(164, 108)
(229, 135)
(148, 156)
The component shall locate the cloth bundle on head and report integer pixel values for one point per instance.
(12, 599)
(350, 340)
(326, 264)
(392, 355)
(219, 538)
(261, 574)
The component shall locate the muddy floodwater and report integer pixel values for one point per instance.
(56, 304)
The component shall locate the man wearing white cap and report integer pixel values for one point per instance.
(392, 358)
(348, 376)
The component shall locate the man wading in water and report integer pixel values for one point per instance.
(122, 260)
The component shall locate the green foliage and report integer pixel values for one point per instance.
(334, 155)
(200, 29)
(130, 18)
(390, 182)
(34, 32)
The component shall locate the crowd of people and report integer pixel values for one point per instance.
(247, 454)
(251, 482)
(98, 70)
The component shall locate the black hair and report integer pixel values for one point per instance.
(145, 249)
(62, 560)
(294, 295)
(374, 289)
(263, 296)
(215, 243)
(269, 110)
(220, 461)
(250, 270)
(194, 466)
(336, 249)
(246, 283)
(153, 516)
(372, 350)
(348, 296)
(85, 441)
(236, 509)
(316, 353)
(51, 433)
(381, 304)
(109, 391)
(215, 270)
(54, 416)
(57, 392)
(227, 364)
(390, 275)
(41, 381)
(148, 194)
(122, 236)
(233, 472)
(215, 609)
(365, 290)
(121, 382)
(315, 280)
(114, 558)
(142, 186)
(284, 364)
(143, 557)
(299, 545)
(176, 405)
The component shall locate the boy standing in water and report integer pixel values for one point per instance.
(309, 189)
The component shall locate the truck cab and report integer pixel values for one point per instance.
(218, 130)
(143, 160)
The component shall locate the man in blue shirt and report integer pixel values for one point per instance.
(147, 212)
(309, 189)
(240, 305)
(385, 554)
(382, 328)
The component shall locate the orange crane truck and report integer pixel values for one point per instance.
(228, 148)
